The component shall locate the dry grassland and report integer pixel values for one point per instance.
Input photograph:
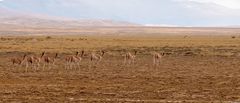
(196, 68)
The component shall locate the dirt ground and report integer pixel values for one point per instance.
(177, 79)
(195, 69)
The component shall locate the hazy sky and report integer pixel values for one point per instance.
(157, 12)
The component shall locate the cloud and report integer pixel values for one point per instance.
(155, 12)
(233, 4)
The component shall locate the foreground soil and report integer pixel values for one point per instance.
(176, 79)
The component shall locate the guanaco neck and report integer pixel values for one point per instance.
(56, 55)
(82, 53)
(103, 52)
(135, 52)
(77, 53)
(24, 57)
(42, 54)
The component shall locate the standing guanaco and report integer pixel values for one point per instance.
(39, 60)
(49, 61)
(157, 58)
(74, 60)
(97, 57)
(34, 61)
(129, 58)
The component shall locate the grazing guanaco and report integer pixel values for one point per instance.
(74, 60)
(129, 58)
(18, 60)
(157, 58)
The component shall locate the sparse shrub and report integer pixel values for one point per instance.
(48, 37)
(28, 39)
(233, 37)
(40, 39)
(82, 39)
(5, 39)
(189, 53)
(2, 38)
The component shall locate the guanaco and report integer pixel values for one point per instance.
(97, 57)
(49, 60)
(73, 60)
(18, 60)
(129, 58)
(34, 61)
(157, 57)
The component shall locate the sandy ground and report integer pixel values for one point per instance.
(177, 79)
(197, 69)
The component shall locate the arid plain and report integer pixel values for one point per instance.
(200, 65)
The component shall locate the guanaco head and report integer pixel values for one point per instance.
(56, 55)
(103, 52)
(12, 60)
(82, 53)
(163, 54)
(135, 52)
(77, 53)
(43, 53)
(24, 56)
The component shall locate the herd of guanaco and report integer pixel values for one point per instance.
(73, 61)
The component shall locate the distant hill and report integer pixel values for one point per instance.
(14, 18)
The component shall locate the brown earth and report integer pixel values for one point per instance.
(196, 69)
(177, 79)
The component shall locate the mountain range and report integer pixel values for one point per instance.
(16, 18)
